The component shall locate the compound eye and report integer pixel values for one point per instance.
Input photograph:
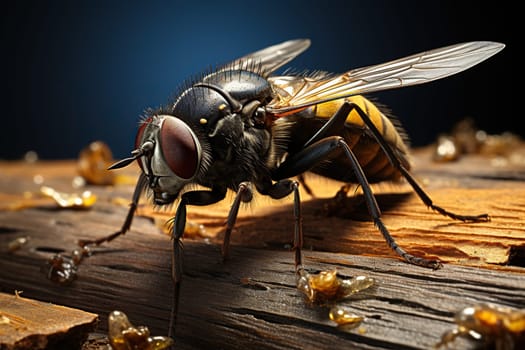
(179, 147)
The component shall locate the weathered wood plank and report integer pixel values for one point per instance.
(251, 300)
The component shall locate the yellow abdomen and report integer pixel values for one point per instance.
(367, 150)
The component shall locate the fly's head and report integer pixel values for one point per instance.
(169, 154)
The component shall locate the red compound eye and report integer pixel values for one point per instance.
(178, 147)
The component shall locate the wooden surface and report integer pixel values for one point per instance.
(251, 300)
(27, 324)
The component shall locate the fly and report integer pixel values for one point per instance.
(244, 129)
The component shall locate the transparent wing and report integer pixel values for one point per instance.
(267, 60)
(298, 92)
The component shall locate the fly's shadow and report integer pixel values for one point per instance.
(354, 207)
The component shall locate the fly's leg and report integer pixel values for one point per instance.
(322, 149)
(347, 107)
(276, 190)
(298, 227)
(141, 184)
(176, 263)
(63, 269)
(337, 121)
(279, 190)
(179, 223)
(244, 194)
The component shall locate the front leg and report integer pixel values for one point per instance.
(139, 188)
(188, 198)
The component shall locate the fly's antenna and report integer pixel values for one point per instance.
(135, 154)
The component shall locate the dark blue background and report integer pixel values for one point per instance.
(78, 71)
